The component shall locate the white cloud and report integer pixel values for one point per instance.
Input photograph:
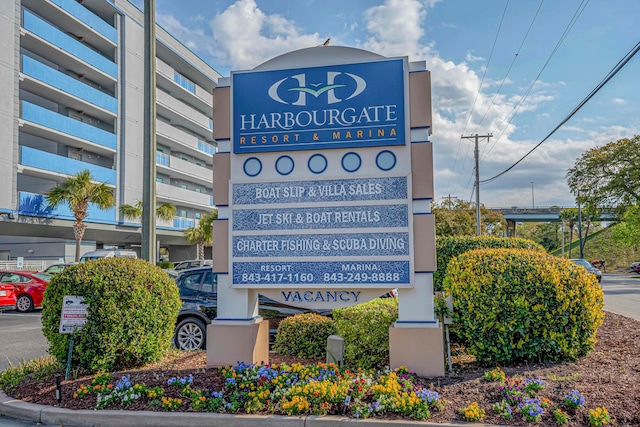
(471, 58)
(191, 37)
(619, 101)
(244, 36)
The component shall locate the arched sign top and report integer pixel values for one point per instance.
(318, 56)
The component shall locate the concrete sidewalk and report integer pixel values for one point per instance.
(49, 415)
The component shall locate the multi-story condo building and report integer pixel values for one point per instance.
(71, 98)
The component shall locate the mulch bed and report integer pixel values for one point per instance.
(609, 376)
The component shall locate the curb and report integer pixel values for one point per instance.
(50, 415)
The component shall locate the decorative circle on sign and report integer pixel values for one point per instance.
(386, 160)
(284, 165)
(252, 166)
(351, 162)
(317, 163)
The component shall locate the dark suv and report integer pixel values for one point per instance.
(199, 293)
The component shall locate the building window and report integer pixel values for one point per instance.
(183, 214)
(184, 82)
(210, 124)
(197, 215)
(206, 147)
(198, 190)
(183, 186)
(159, 180)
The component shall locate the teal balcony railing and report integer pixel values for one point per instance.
(51, 162)
(89, 18)
(68, 84)
(206, 147)
(182, 223)
(162, 159)
(70, 45)
(52, 120)
(36, 205)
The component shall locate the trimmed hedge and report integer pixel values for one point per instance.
(365, 329)
(132, 311)
(511, 305)
(304, 335)
(449, 247)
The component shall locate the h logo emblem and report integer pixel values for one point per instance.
(317, 89)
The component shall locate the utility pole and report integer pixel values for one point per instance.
(148, 250)
(533, 200)
(580, 242)
(477, 157)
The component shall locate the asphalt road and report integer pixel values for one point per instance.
(622, 294)
(20, 337)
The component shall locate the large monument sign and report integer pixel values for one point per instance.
(323, 181)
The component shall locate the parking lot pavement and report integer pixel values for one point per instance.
(12, 422)
(21, 337)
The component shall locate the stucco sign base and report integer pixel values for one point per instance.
(229, 344)
(420, 350)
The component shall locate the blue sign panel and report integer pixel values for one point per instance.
(373, 216)
(344, 273)
(339, 106)
(335, 190)
(308, 245)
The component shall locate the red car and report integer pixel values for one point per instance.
(7, 297)
(29, 288)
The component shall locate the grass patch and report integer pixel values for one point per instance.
(558, 378)
(39, 369)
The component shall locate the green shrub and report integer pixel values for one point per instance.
(365, 329)
(304, 335)
(450, 247)
(132, 311)
(165, 264)
(511, 305)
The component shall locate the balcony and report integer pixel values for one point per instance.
(182, 114)
(51, 83)
(78, 20)
(32, 204)
(179, 140)
(183, 223)
(180, 196)
(44, 164)
(50, 125)
(182, 169)
(80, 58)
(166, 80)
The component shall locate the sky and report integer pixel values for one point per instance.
(514, 69)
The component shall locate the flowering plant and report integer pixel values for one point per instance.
(599, 417)
(473, 412)
(531, 409)
(512, 391)
(533, 385)
(574, 399)
(503, 409)
(560, 416)
(495, 375)
(181, 382)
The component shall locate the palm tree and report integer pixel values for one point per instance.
(77, 192)
(202, 235)
(165, 211)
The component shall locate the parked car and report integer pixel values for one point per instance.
(108, 253)
(29, 288)
(57, 268)
(590, 268)
(192, 263)
(199, 294)
(7, 297)
(635, 267)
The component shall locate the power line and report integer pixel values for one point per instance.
(595, 90)
(510, 66)
(476, 98)
(516, 108)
